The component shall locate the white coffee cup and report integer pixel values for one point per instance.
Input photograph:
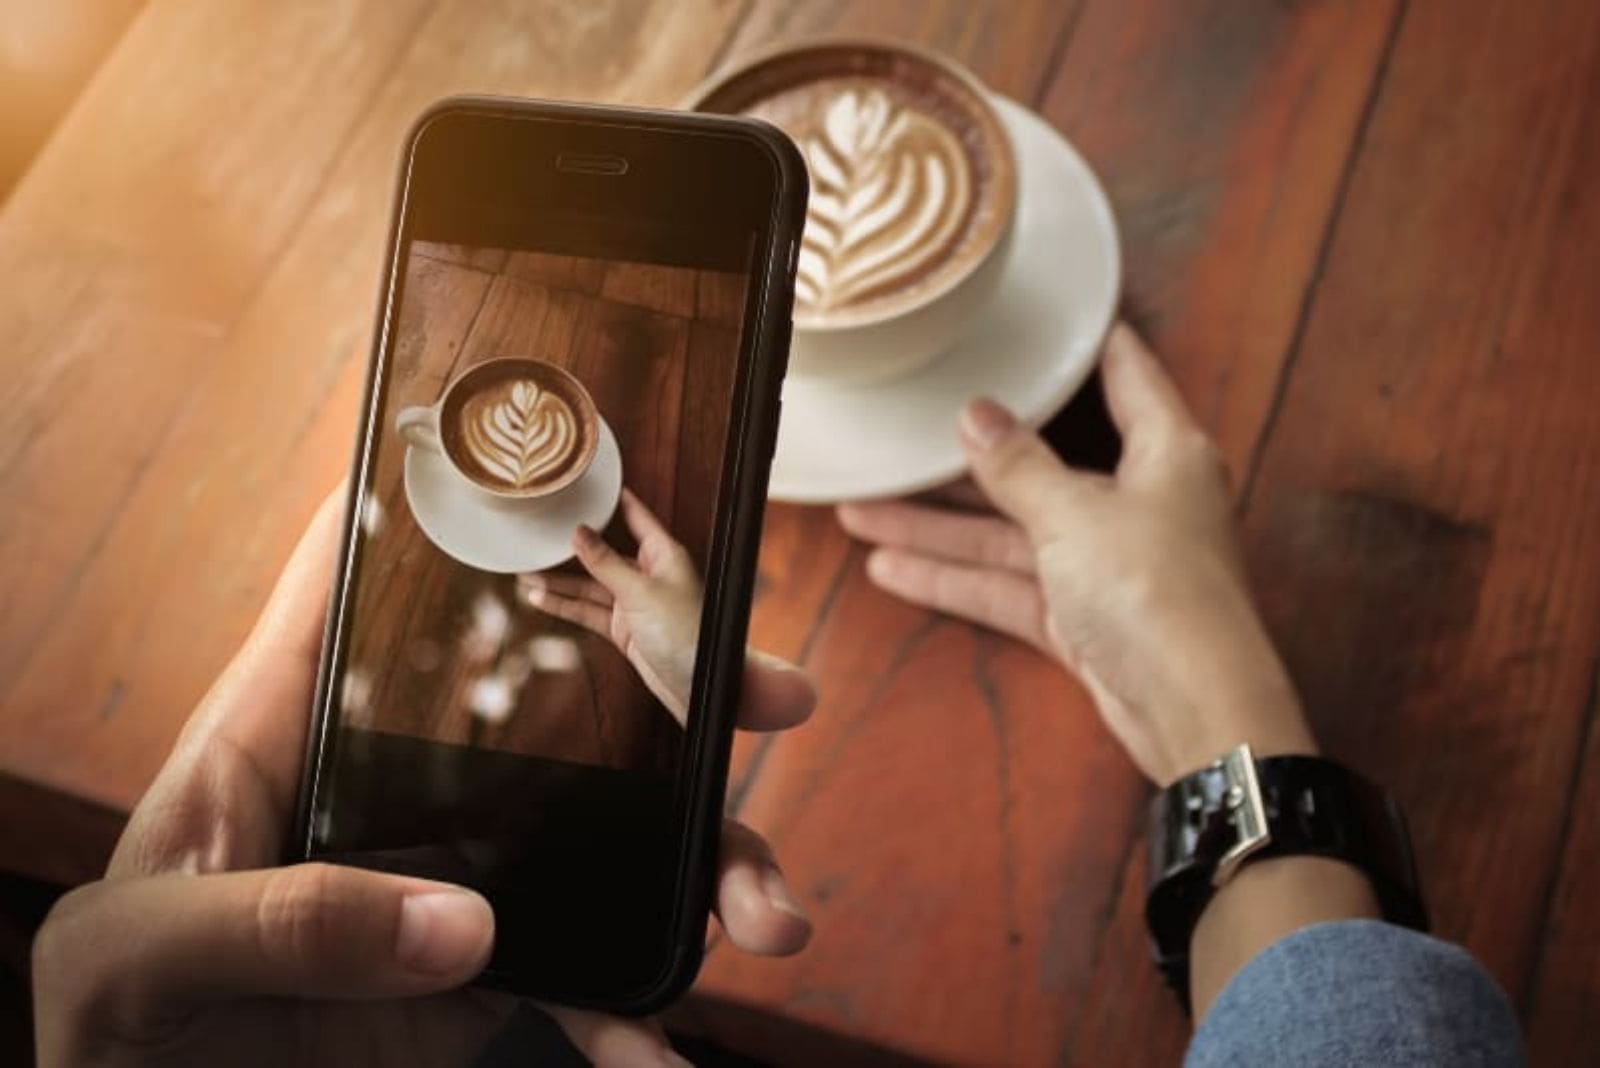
(422, 425)
(898, 344)
(867, 344)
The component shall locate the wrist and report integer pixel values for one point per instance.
(1266, 716)
(1267, 736)
(1265, 739)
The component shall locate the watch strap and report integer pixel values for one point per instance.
(1240, 810)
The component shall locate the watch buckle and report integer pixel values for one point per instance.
(1246, 811)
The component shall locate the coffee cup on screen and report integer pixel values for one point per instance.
(515, 428)
(913, 189)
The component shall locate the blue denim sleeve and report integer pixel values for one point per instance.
(1359, 992)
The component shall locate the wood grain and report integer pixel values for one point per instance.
(130, 256)
(1433, 477)
(1221, 131)
(1560, 1005)
(51, 52)
(1414, 526)
(137, 576)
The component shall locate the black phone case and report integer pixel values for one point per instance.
(730, 570)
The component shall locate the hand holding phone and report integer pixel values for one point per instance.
(238, 962)
(512, 696)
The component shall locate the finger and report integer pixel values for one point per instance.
(659, 552)
(1003, 600)
(1142, 398)
(984, 541)
(579, 587)
(777, 695)
(261, 702)
(586, 614)
(292, 621)
(1163, 445)
(614, 570)
(614, 1042)
(642, 522)
(754, 902)
(1019, 472)
(308, 931)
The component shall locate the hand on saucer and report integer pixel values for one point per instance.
(649, 607)
(1133, 580)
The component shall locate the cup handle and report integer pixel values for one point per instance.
(420, 427)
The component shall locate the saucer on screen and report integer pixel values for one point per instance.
(1030, 349)
(507, 536)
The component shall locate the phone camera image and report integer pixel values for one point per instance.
(526, 600)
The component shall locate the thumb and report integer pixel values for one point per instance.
(1016, 469)
(309, 931)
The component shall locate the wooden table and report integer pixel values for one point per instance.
(1364, 235)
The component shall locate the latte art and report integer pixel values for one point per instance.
(518, 433)
(892, 190)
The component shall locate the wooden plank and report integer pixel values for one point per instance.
(559, 272)
(1260, 104)
(1221, 133)
(1423, 520)
(49, 58)
(1566, 981)
(1421, 530)
(134, 577)
(709, 362)
(1433, 481)
(130, 247)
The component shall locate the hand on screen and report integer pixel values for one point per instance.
(196, 948)
(649, 607)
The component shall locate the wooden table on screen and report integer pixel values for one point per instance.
(647, 343)
(1362, 234)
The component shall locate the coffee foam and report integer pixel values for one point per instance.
(891, 189)
(517, 433)
(911, 179)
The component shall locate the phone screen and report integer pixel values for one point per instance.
(503, 711)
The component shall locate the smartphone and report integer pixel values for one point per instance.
(584, 324)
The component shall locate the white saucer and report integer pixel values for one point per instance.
(1030, 349)
(506, 536)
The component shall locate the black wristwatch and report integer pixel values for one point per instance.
(1205, 826)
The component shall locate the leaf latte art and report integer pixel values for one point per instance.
(518, 433)
(892, 189)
